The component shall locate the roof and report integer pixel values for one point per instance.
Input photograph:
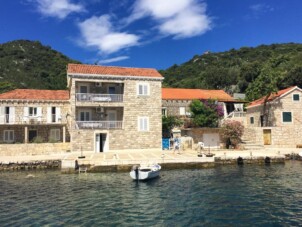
(272, 97)
(190, 94)
(34, 94)
(112, 70)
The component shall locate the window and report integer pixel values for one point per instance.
(251, 120)
(296, 97)
(286, 117)
(143, 124)
(83, 89)
(32, 111)
(143, 89)
(9, 136)
(85, 116)
(182, 111)
(55, 134)
(164, 111)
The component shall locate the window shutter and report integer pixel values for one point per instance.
(12, 114)
(49, 114)
(2, 114)
(25, 115)
(140, 89)
(58, 114)
(287, 116)
(39, 113)
(145, 89)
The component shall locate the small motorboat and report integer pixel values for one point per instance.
(139, 172)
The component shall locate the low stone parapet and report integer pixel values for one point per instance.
(33, 149)
(30, 165)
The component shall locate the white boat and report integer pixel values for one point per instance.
(139, 172)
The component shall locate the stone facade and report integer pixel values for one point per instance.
(39, 125)
(127, 113)
(281, 129)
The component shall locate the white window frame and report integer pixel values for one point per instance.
(34, 111)
(57, 134)
(164, 111)
(145, 122)
(292, 120)
(9, 134)
(296, 100)
(85, 115)
(145, 89)
(182, 111)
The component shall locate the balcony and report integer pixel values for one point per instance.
(7, 119)
(100, 124)
(88, 97)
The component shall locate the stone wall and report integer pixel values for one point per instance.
(33, 149)
(129, 111)
(172, 106)
(198, 133)
(283, 134)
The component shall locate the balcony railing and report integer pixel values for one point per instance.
(87, 97)
(100, 124)
(7, 119)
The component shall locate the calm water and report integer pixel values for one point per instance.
(225, 196)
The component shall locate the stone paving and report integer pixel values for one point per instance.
(152, 156)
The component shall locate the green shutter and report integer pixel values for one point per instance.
(287, 116)
(296, 97)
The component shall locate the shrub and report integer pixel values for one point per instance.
(232, 132)
(38, 139)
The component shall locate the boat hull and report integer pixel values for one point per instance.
(145, 173)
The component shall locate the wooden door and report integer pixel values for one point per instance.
(267, 136)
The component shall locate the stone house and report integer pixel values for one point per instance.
(114, 108)
(28, 114)
(284, 119)
(176, 101)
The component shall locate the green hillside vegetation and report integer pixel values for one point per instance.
(29, 64)
(237, 70)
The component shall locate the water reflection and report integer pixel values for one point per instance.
(227, 195)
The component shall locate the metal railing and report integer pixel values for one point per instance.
(100, 124)
(7, 119)
(88, 97)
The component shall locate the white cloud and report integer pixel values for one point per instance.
(58, 8)
(98, 32)
(259, 9)
(182, 18)
(110, 60)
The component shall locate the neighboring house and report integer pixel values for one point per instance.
(176, 101)
(284, 125)
(26, 114)
(114, 108)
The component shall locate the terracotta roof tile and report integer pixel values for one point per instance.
(33, 94)
(271, 98)
(112, 70)
(189, 94)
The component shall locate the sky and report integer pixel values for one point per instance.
(149, 33)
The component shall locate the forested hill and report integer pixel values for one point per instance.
(235, 70)
(29, 64)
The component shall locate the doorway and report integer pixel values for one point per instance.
(32, 134)
(267, 136)
(100, 141)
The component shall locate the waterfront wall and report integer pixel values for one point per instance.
(30, 165)
(33, 149)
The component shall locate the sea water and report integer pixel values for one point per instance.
(248, 195)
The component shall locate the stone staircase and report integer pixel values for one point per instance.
(248, 141)
(250, 145)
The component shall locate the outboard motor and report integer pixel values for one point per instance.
(136, 170)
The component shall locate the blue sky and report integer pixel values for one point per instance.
(149, 33)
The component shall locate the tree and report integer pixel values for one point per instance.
(266, 84)
(231, 132)
(168, 123)
(206, 113)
